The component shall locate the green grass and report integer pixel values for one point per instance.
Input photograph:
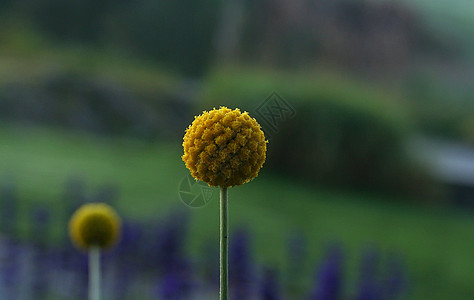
(437, 243)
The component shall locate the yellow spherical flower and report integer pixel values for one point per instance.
(94, 224)
(224, 147)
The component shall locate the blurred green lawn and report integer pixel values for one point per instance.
(437, 243)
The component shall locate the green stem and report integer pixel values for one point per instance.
(94, 273)
(223, 244)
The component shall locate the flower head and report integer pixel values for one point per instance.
(224, 147)
(94, 224)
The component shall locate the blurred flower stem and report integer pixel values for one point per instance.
(224, 253)
(94, 273)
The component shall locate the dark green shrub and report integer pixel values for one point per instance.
(441, 108)
(343, 133)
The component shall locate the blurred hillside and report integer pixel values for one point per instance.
(374, 36)
(359, 70)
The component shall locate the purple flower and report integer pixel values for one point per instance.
(396, 278)
(241, 269)
(79, 263)
(369, 286)
(177, 284)
(41, 267)
(131, 239)
(124, 276)
(296, 268)
(125, 259)
(269, 289)
(210, 263)
(169, 247)
(329, 276)
(9, 269)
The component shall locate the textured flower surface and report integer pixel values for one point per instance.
(94, 224)
(224, 147)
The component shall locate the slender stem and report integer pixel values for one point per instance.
(223, 244)
(94, 273)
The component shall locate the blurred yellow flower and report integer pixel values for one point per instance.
(94, 224)
(224, 147)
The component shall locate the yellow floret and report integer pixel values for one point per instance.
(94, 224)
(231, 147)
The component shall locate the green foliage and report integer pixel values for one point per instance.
(442, 108)
(344, 133)
(176, 33)
(26, 55)
(179, 33)
(87, 89)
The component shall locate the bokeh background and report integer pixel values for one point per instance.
(368, 106)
